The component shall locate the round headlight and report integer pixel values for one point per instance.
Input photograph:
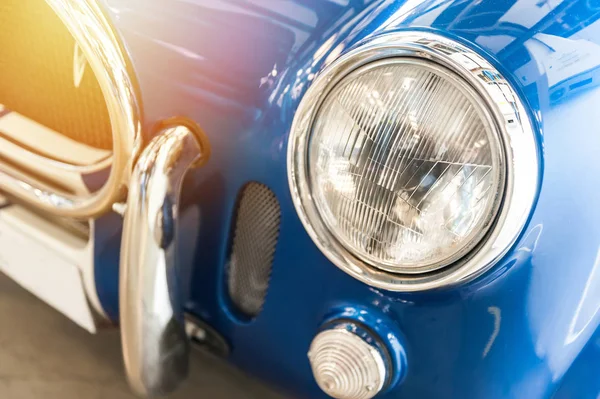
(405, 165)
(412, 162)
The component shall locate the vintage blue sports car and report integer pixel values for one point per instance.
(344, 198)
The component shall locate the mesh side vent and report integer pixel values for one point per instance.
(255, 236)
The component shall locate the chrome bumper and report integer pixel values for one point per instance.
(155, 344)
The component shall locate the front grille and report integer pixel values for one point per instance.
(255, 237)
(39, 77)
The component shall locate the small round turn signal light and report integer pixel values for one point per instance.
(347, 363)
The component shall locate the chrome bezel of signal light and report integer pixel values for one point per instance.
(521, 167)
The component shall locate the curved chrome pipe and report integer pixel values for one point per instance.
(155, 345)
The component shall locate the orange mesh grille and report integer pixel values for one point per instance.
(37, 74)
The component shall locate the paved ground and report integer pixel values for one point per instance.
(45, 356)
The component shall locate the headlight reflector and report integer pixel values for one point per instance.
(405, 165)
(412, 162)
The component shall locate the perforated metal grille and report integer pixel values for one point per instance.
(43, 76)
(255, 237)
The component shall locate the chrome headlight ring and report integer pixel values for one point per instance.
(520, 165)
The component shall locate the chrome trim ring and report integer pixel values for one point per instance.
(93, 33)
(510, 119)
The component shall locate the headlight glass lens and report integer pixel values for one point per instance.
(405, 165)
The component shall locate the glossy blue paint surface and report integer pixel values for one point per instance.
(239, 69)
